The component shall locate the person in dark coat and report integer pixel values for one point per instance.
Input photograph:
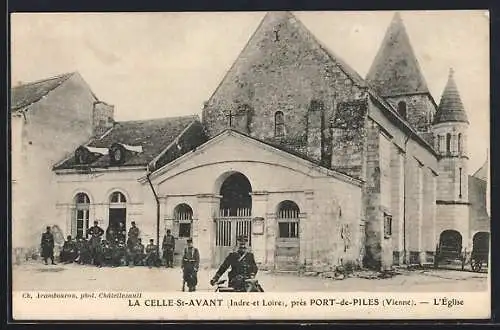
(84, 256)
(151, 254)
(138, 253)
(242, 264)
(133, 235)
(69, 251)
(168, 247)
(121, 233)
(190, 265)
(110, 234)
(95, 233)
(47, 245)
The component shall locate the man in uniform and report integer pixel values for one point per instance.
(95, 233)
(47, 245)
(190, 264)
(133, 235)
(69, 251)
(151, 255)
(168, 247)
(138, 253)
(242, 264)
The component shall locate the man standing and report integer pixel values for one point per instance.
(47, 245)
(168, 247)
(190, 264)
(95, 233)
(133, 235)
(242, 264)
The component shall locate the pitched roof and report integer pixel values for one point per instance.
(395, 70)
(153, 135)
(285, 19)
(451, 108)
(26, 94)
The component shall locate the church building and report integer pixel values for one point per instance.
(315, 164)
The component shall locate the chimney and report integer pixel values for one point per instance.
(103, 117)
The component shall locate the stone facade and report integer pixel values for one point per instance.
(372, 185)
(40, 139)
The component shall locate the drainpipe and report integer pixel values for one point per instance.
(404, 200)
(157, 214)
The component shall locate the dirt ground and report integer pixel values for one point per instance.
(72, 277)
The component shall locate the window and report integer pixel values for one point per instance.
(448, 143)
(402, 109)
(441, 143)
(81, 215)
(288, 219)
(387, 225)
(460, 143)
(183, 217)
(279, 124)
(118, 197)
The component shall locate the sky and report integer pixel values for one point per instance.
(153, 65)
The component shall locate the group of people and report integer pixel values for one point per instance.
(114, 251)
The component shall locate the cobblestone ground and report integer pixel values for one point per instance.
(36, 276)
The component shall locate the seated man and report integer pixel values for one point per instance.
(242, 264)
(118, 253)
(138, 253)
(151, 254)
(84, 256)
(107, 253)
(69, 251)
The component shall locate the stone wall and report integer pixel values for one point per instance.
(52, 128)
(280, 75)
(420, 110)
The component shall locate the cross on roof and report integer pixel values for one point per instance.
(230, 115)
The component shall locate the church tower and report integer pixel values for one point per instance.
(450, 136)
(395, 74)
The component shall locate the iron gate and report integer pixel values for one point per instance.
(227, 228)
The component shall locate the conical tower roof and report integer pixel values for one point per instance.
(395, 70)
(451, 108)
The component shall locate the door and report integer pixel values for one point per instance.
(117, 216)
(226, 231)
(287, 245)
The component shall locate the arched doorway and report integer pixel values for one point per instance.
(118, 214)
(235, 212)
(287, 238)
(480, 250)
(183, 226)
(450, 245)
(81, 215)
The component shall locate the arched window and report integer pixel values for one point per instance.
(279, 124)
(118, 213)
(448, 143)
(183, 217)
(402, 109)
(117, 197)
(460, 143)
(288, 219)
(81, 215)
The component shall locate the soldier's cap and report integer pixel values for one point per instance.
(151, 240)
(242, 239)
(69, 237)
(189, 240)
(96, 222)
(133, 222)
(48, 227)
(168, 230)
